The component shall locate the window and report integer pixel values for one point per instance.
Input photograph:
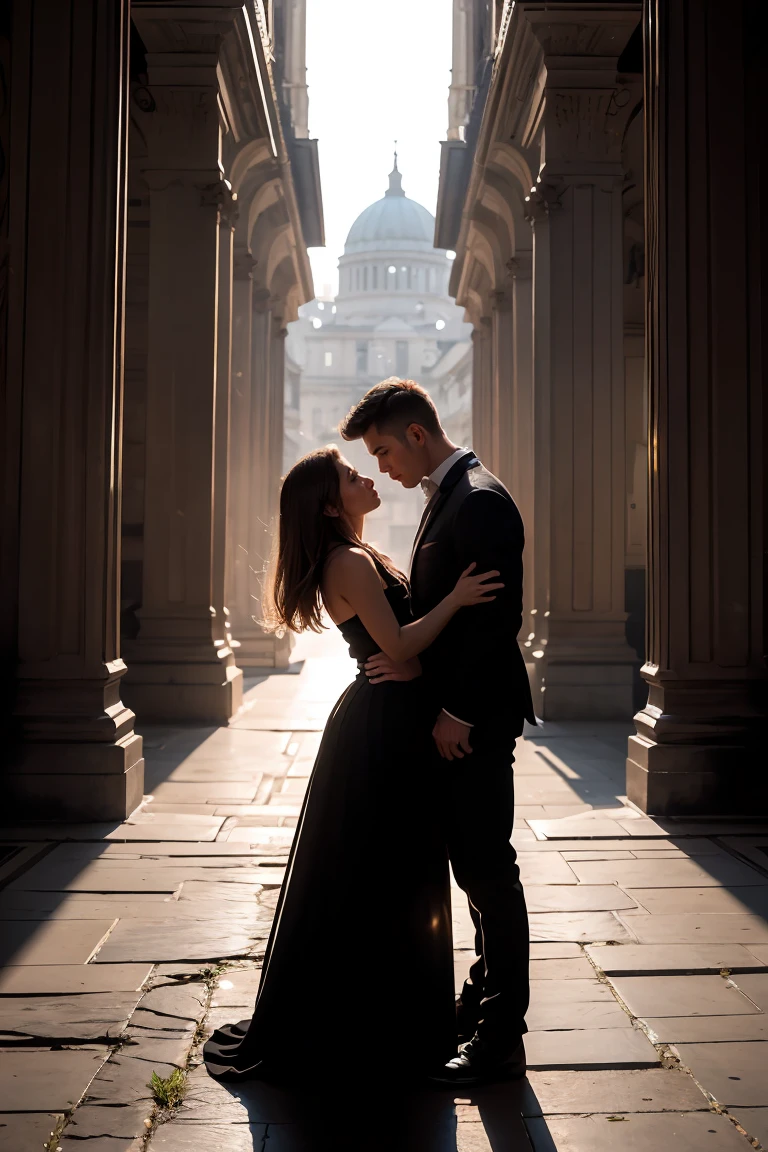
(401, 358)
(328, 359)
(362, 357)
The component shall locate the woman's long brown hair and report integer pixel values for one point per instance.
(307, 535)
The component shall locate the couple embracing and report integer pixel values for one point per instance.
(414, 769)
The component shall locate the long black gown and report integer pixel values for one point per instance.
(359, 961)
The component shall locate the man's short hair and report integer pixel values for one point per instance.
(391, 407)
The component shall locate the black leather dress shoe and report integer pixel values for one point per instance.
(478, 1061)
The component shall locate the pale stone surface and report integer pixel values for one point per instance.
(593, 1048)
(545, 868)
(692, 1132)
(576, 968)
(555, 951)
(700, 873)
(135, 940)
(654, 1090)
(57, 942)
(543, 1016)
(756, 987)
(569, 991)
(671, 1029)
(754, 1121)
(701, 929)
(62, 979)
(89, 1017)
(91, 1121)
(35, 1081)
(123, 1080)
(189, 792)
(705, 901)
(577, 898)
(734, 1072)
(636, 959)
(584, 927)
(19, 1132)
(192, 1137)
(682, 995)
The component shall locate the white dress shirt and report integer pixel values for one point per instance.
(431, 484)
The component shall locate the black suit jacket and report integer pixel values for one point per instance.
(475, 666)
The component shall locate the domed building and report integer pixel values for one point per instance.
(392, 317)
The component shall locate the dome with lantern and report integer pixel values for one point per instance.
(394, 221)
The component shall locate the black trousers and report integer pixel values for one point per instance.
(479, 813)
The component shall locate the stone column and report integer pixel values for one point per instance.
(698, 741)
(181, 666)
(502, 427)
(482, 386)
(77, 755)
(587, 663)
(521, 479)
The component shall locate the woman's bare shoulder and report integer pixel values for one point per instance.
(349, 559)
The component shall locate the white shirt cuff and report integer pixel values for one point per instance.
(458, 719)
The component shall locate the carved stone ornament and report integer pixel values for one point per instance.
(220, 195)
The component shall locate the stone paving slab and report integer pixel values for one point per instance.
(738, 900)
(138, 940)
(205, 792)
(755, 986)
(639, 959)
(569, 992)
(590, 1048)
(543, 1016)
(68, 979)
(577, 898)
(35, 1081)
(584, 927)
(545, 868)
(709, 871)
(161, 907)
(612, 1091)
(91, 1016)
(696, 929)
(52, 942)
(734, 1072)
(193, 1137)
(124, 1080)
(693, 1132)
(93, 1121)
(696, 1029)
(26, 1132)
(571, 969)
(682, 996)
(754, 1121)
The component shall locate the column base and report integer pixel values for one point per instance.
(78, 782)
(204, 693)
(581, 691)
(263, 650)
(695, 779)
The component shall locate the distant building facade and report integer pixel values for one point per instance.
(392, 317)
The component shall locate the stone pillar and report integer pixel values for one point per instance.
(502, 427)
(587, 663)
(521, 478)
(698, 741)
(76, 755)
(181, 666)
(482, 390)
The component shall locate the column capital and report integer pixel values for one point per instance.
(244, 263)
(520, 265)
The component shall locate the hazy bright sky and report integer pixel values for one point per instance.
(377, 72)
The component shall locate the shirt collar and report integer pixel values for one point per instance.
(443, 469)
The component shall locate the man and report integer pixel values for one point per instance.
(482, 696)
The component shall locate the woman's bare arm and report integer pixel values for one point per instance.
(353, 578)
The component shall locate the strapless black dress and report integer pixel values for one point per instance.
(359, 963)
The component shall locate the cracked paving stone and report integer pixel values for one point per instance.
(183, 1001)
(236, 988)
(103, 1144)
(124, 1080)
(34, 1081)
(610, 1091)
(718, 870)
(194, 1137)
(89, 1017)
(593, 1048)
(682, 996)
(135, 940)
(559, 1017)
(700, 1029)
(576, 898)
(171, 1050)
(92, 1120)
(687, 1132)
(694, 929)
(582, 927)
(19, 1132)
(734, 1072)
(569, 992)
(743, 900)
(754, 1121)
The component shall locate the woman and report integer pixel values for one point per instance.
(360, 950)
